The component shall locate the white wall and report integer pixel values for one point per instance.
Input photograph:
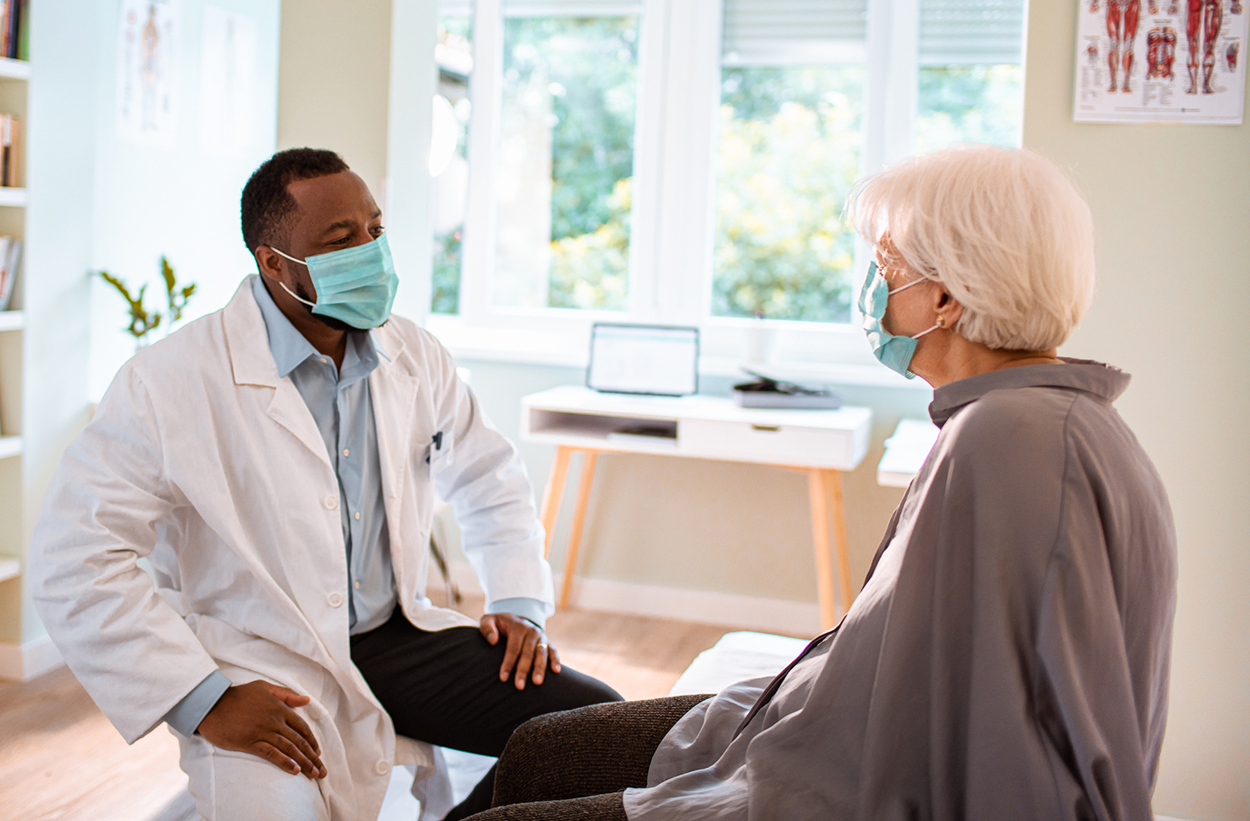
(181, 201)
(98, 202)
(334, 76)
(336, 92)
(1171, 209)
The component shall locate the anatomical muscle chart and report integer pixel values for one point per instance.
(1161, 61)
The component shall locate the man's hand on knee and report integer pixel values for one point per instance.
(527, 649)
(257, 718)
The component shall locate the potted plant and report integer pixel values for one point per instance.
(142, 321)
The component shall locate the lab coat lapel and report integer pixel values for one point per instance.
(394, 409)
(252, 363)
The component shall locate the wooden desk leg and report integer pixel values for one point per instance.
(833, 480)
(819, 498)
(589, 458)
(553, 493)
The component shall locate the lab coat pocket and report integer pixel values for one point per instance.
(440, 454)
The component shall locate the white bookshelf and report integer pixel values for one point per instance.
(14, 377)
(14, 69)
(12, 197)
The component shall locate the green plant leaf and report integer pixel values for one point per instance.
(167, 271)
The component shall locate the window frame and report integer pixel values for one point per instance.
(673, 209)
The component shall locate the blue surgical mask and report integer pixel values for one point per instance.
(354, 285)
(895, 352)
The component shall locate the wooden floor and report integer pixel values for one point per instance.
(61, 759)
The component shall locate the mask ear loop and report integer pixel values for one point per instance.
(934, 328)
(283, 284)
(941, 320)
(890, 293)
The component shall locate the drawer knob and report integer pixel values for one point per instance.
(772, 428)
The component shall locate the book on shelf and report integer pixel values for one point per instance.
(15, 29)
(23, 32)
(10, 260)
(11, 143)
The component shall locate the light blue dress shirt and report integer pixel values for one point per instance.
(340, 404)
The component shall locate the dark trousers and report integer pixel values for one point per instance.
(443, 687)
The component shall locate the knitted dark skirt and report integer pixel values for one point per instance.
(575, 765)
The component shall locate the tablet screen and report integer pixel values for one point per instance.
(644, 359)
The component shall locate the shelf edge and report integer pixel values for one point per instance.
(11, 197)
(14, 69)
(10, 446)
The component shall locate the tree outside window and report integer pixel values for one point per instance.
(566, 162)
(789, 153)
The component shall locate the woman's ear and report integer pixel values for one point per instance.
(947, 308)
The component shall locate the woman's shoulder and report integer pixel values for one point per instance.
(1008, 423)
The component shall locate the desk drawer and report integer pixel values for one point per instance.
(776, 444)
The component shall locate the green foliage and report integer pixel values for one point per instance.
(177, 298)
(969, 104)
(445, 279)
(143, 321)
(592, 270)
(788, 156)
(590, 68)
(460, 25)
(789, 153)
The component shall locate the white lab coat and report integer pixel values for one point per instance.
(203, 460)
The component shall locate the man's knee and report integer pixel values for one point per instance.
(234, 786)
(574, 689)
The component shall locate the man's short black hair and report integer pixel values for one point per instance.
(266, 201)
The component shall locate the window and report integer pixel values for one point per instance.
(686, 161)
(791, 119)
(971, 78)
(449, 168)
(566, 162)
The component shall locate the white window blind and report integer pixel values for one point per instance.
(967, 32)
(793, 32)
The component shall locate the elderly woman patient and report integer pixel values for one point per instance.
(1008, 656)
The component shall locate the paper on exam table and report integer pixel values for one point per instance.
(905, 452)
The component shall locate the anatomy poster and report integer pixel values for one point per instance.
(147, 72)
(227, 75)
(1161, 61)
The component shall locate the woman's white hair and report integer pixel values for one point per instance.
(1003, 230)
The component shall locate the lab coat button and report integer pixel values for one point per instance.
(332, 502)
(335, 599)
(383, 768)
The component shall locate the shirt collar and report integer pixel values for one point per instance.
(1087, 376)
(290, 348)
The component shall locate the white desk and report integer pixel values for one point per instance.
(820, 443)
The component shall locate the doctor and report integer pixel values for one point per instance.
(276, 462)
